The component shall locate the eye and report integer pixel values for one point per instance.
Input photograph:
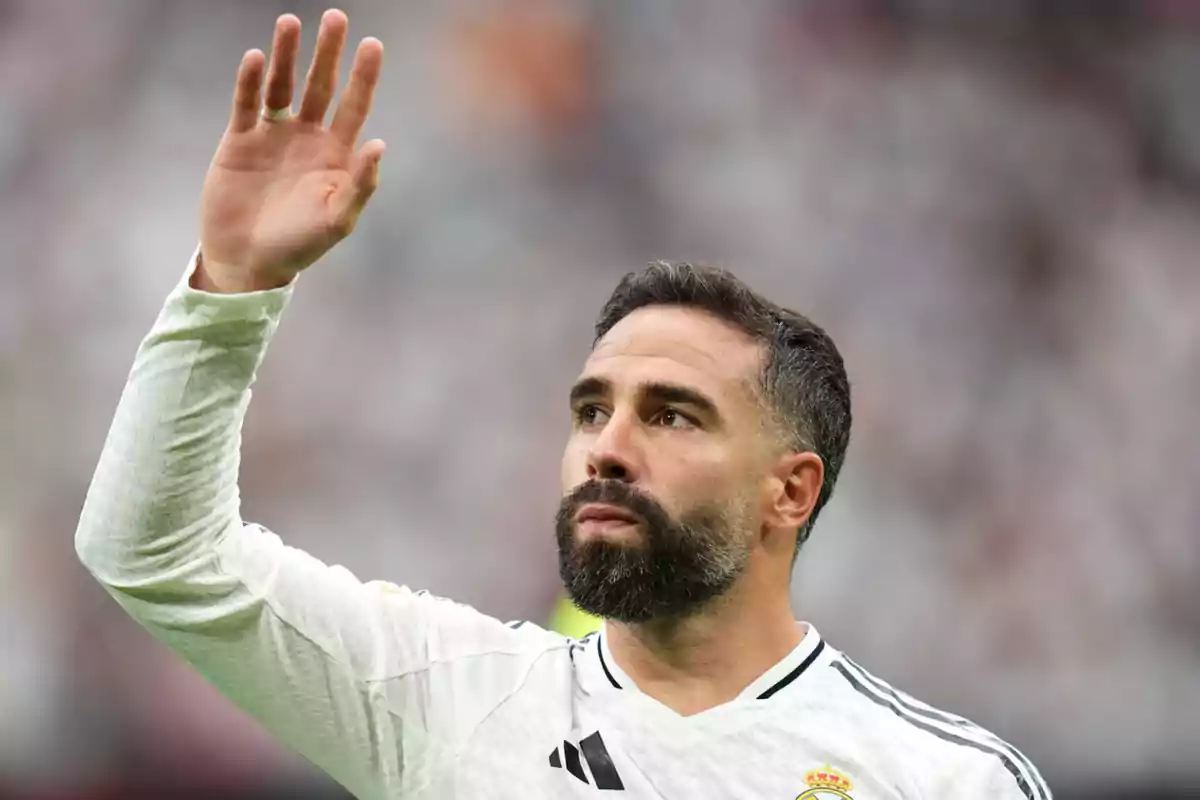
(671, 418)
(590, 414)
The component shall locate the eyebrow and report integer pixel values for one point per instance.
(591, 388)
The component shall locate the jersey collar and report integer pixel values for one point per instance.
(778, 677)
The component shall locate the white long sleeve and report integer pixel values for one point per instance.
(340, 670)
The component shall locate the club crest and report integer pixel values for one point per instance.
(826, 784)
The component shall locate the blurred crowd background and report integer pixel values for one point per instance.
(994, 207)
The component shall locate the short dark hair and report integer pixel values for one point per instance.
(803, 380)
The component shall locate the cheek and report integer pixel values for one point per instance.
(727, 482)
(700, 480)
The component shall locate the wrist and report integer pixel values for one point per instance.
(216, 278)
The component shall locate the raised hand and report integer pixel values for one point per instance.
(282, 189)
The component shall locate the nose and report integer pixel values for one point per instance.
(613, 454)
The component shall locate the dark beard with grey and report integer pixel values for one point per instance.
(678, 567)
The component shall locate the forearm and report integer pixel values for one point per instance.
(165, 488)
(282, 635)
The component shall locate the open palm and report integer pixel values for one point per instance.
(283, 189)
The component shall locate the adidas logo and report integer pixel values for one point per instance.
(598, 760)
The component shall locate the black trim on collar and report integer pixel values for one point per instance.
(791, 676)
(604, 666)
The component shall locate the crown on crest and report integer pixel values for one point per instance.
(828, 778)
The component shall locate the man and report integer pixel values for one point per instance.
(709, 427)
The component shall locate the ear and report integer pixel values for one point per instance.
(798, 481)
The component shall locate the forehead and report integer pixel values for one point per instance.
(682, 345)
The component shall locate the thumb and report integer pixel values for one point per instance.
(364, 178)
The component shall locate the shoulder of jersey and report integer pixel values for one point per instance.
(482, 627)
(941, 730)
(533, 630)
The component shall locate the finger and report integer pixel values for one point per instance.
(366, 172)
(355, 104)
(281, 76)
(364, 180)
(322, 75)
(246, 91)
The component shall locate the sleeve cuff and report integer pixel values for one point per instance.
(213, 307)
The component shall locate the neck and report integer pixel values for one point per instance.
(694, 663)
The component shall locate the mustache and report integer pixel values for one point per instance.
(615, 493)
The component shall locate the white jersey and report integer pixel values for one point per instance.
(400, 694)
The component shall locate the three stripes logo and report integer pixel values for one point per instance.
(595, 754)
(945, 726)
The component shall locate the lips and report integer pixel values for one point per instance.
(602, 512)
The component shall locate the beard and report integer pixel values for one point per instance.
(678, 566)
